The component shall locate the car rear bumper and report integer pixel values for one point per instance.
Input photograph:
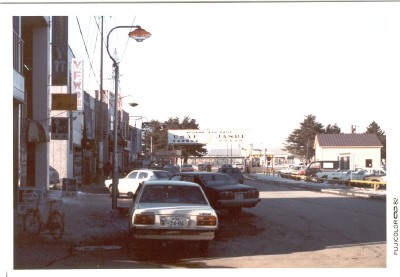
(184, 235)
(245, 203)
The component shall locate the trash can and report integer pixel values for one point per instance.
(208, 168)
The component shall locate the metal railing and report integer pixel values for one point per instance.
(18, 53)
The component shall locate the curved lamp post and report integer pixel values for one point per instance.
(139, 35)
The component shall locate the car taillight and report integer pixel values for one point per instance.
(302, 172)
(226, 195)
(146, 219)
(206, 220)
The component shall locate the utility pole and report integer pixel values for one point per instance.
(100, 129)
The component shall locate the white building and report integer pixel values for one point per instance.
(351, 150)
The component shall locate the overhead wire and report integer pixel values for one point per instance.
(84, 43)
(126, 44)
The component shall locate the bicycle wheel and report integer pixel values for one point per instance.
(32, 223)
(55, 225)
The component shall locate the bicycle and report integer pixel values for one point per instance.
(34, 222)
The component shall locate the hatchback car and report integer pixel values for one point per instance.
(222, 190)
(172, 211)
(129, 184)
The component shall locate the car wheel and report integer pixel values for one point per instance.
(203, 246)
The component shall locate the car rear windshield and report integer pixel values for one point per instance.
(162, 174)
(173, 194)
(214, 180)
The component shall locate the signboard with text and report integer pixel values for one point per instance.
(77, 81)
(59, 53)
(64, 101)
(59, 128)
(195, 136)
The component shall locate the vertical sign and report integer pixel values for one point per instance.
(59, 51)
(88, 116)
(77, 81)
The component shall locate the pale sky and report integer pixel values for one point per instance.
(260, 67)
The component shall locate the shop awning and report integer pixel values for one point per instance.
(36, 132)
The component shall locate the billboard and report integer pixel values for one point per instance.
(195, 136)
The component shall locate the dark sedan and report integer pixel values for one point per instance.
(222, 190)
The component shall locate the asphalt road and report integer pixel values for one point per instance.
(289, 228)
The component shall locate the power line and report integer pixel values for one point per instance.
(84, 43)
(123, 53)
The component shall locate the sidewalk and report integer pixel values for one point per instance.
(89, 220)
(361, 192)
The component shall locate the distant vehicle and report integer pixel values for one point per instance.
(234, 172)
(292, 169)
(239, 165)
(222, 190)
(172, 211)
(187, 168)
(129, 184)
(201, 167)
(171, 168)
(319, 166)
(226, 165)
(54, 176)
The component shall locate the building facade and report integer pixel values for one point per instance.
(351, 150)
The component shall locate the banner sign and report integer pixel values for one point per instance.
(59, 51)
(195, 136)
(77, 81)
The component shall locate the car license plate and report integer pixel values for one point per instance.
(239, 196)
(174, 222)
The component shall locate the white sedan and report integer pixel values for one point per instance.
(129, 184)
(172, 211)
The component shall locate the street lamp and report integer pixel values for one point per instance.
(139, 35)
(132, 104)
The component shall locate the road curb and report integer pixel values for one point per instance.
(344, 191)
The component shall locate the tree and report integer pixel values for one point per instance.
(157, 136)
(332, 129)
(301, 141)
(374, 128)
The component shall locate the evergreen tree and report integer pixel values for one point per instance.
(374, 128)
(332, 129)
(301, 141)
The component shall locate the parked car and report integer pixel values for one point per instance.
(54, 177)
(234, 172)
(239, 165)
(222, 190)
(293, 169)
(129, 184)
(187, 168)
(171, 168)
(201, 167)
(172, 211)
(319, 166)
